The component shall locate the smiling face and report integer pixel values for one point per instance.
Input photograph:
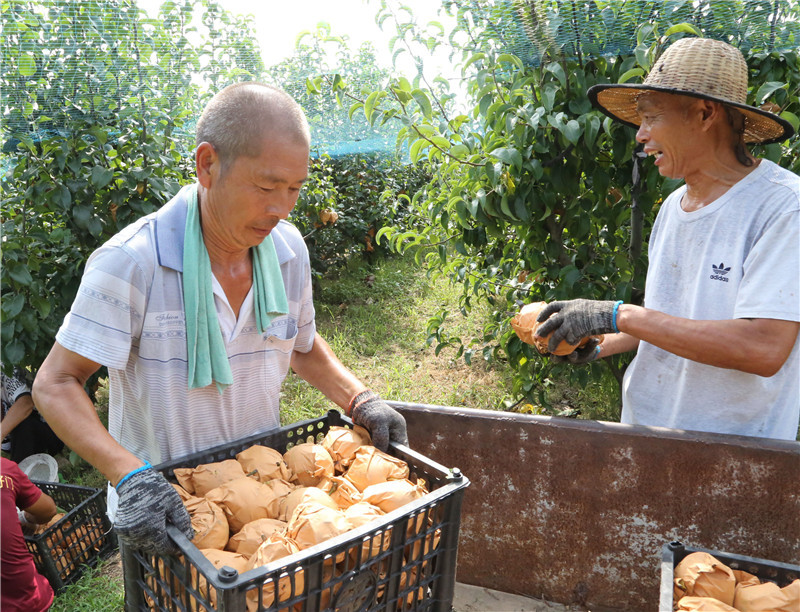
(669, 130)
(241, 205)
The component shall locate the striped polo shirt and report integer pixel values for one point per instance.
(128, 315)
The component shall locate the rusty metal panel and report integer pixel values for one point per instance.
(576, 511)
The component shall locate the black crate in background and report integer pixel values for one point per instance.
(79, 539)
(674, 552)
(411, 566)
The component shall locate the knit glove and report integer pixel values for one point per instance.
(584, 354)
(147, 502)
(576, 319)
(384, 423)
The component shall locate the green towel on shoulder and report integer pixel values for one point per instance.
(208, 359)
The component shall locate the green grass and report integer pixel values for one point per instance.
(375, 321)
(99, 589)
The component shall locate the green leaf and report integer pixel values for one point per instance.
(13, 352)
(19, 272)
(508, 155)
(686, 28)
(633, 72)
(570, 275)
(424, 103)
(791, 118)
(572, 131)
(101, 176)
(591, 130)
(42, 305)
(475, 58)
(369, 105)
(766, 90)
(416, 148)
(353, 109)
(26, 65)
(511, 59)
(13, 306)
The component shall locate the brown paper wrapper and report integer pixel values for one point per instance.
(312, 523)
(372, 466)
(361, 514)
(342, 444)
(525, 325)
(343, 492)
(415, 596)
(211, 528)
(703, 604)
(309, 462)
(253, 535)
(218, 558)
(276, 547)
(393, 494)
(301, 495)
(244, 500)
(201, 479)
(744, 578)
(700, 574)
(265, 463)
(767, 597)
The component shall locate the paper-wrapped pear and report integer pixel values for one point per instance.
(219, 559)
(301, 495)
(525, 325)
(372, 466)
(244, 500)
(201, 479)
(342, 444)
(767, 597)
(312, 523)
(266, 463)
(393, 494)
(700, 574)
(343, 492)
(210, 525)
(247, 540)
(361, 514)
(310, 463)
(703, 604)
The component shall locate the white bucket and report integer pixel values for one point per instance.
(40, 466)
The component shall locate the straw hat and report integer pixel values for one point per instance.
(702, 68)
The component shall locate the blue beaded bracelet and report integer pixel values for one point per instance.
(146, 466)
(614, 316)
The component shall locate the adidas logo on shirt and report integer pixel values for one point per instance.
(720, 272)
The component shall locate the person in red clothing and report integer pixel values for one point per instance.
(22, 588)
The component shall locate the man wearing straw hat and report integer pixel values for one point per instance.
(717, 337)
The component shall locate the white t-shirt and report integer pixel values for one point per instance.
(738, 257)
(128, 315)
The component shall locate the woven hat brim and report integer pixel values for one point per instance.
(618, 101)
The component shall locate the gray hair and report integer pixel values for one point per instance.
(238, 118)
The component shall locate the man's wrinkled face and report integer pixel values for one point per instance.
(253, 194)
(667, 131)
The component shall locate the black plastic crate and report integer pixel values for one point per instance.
(674, 552)
(79, 539)
(406, 560)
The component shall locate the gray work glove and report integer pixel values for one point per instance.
(584, 354)
(384, 423)
(576, 319)
(147, 502)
